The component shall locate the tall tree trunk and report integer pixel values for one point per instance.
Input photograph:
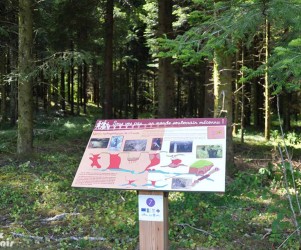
(72, 88)
(236, 96)
(166, 81)
(190, 96)
(79, 89)
(13, 100)
(45, 87)
(267, 106)
(135, 92)
(25, 96)
(62, 91)
(209, 96)
(242, 112)
(222, 76)
(3, 93)
(13, 92)
(127, 96)
(255, 93)
(3, 116)
(108, 58)
(179, 92)
(122, 102)
(36, 92)
(201, 89)
(254, 104)
(49, 97)
(69, 85)
(80, 84)
(95, 81)
(85, 83)
(286, 110)
(55, 93)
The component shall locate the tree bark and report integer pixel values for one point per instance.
(72, 88)
(85, 83)
(62, 91)
(13, 89)
(286, 108)
(135, 92)
(166, 79)
(3, 116)
(202, 81)
(178, 90)
(25, 96)
(267, 106)
(95, 81)
(242, 112)
(108, 58)
(222, 76)
(55, 92)
(256, 88)
(236, 96)
(79, 89)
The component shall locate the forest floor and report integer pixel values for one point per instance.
(40, 210)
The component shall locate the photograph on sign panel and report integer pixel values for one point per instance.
(156, 143)
(180, 147)
(180, 183)
(115, 143)
(209, 151)
(99, 143)
(135, 145)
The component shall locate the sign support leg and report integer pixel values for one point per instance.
(153, 235)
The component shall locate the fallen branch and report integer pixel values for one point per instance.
(268, 233)
(36, 238)
(288, 238)
(44, 239)
(58, 217)
(197, 229)
(82, 238)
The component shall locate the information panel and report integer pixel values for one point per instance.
(155, 154)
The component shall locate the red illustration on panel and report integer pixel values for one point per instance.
(155, 160)
(114, 161)
(175, 162)
(94, 159)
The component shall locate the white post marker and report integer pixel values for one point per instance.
(153, 220)
(151, 207)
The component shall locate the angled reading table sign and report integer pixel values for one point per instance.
(155, 156)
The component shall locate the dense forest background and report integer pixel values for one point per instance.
(238, 59)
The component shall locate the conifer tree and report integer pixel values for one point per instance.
(25, 96)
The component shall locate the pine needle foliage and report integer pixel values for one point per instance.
(225, 24)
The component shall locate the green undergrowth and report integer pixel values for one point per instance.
(253, 213)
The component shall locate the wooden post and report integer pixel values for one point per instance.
(153, 235)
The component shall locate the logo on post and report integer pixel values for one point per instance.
(150, 202)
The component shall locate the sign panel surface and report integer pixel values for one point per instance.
(155, 154)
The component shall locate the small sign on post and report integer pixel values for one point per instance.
(155, 156)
